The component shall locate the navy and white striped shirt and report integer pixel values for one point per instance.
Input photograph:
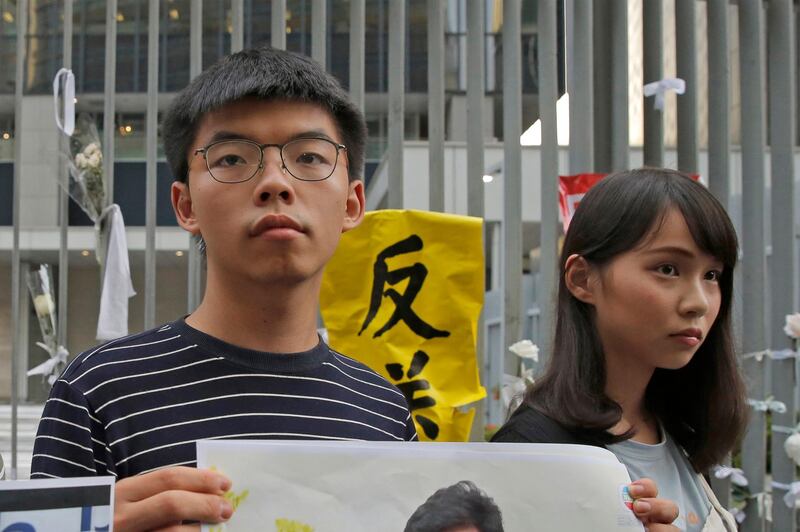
(140, 403)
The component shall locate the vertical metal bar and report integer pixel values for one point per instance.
(397, 84)
(686, 50)
(653, 68)
(237, 20)
(581, 95)
(620, 151)
(783, 261)
(195, 259)
(719, 138)
(318, 31)
(512, 172)
(475, 91)
(548, 95)
(436, 17)
(357, 51)
(278, 24)
(151, 168)
(754, 331)
(63, 198)
(16, 274)
(109, 99)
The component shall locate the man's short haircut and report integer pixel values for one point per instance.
(268, 74)
(461, 504)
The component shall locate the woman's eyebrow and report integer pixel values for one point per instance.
(671, 249)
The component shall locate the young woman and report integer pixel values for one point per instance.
(643, 359)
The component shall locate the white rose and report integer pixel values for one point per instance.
(44, 305)
(792, 327)
(525, 349)
(81, 160)
(792, 447)
(94, 160)
(90, 149)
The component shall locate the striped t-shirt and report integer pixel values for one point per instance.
(140, 403)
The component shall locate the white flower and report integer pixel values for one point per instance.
(525, 349)
(81, 160)
(792, 447)
(91, 148)
(792, 327)
(94, 160)
(44, 305)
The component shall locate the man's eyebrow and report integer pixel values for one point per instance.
(232, 135)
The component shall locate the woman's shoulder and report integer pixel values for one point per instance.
(529, 425)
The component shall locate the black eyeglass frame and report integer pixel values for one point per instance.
(204, 152)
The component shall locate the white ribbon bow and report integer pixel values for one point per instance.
(792, 493)
(49, 368)
(738, 515)
(659, 88)
(117, 285)
(736, 474)
(769, 405)
(69, 100)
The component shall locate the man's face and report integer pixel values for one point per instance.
(274, 228)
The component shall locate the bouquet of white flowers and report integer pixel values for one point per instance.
(40, 285)
(84, 158)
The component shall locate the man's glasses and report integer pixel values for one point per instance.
(236, 161)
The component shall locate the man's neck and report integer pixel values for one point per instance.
(276, 318)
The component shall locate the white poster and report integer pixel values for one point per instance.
(57, 505)
(320, 486)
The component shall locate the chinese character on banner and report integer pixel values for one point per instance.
(403, 294)
(572, 188)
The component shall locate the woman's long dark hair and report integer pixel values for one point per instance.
(703, 404)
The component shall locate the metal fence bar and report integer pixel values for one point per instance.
(278, 24)
(436, 103)
(16, 274)
(653, 16)
(620, 149)
(195, 259)
(237, 22)
(686, 51)
(783, 261)
(548, 95)
(63, 197)
(397, 84)
(512, 173)
(475, 94)
(151, 125)
(109, 99)
(357, 52)
(318, 33)
(754, 337)
(719, 137)
(579, 86)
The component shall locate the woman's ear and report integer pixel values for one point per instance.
(578, 276)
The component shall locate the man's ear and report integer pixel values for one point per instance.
(184, 210)
(355, 206)
(579, 278)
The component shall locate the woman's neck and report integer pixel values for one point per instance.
(626, 384)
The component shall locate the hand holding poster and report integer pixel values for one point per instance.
(325, 486)
(403, 294)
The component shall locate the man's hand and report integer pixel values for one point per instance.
(656, 514)
(163, 499)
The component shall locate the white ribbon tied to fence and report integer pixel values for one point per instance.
(767, 406)
(736, 475)
(50, 367)
(68, 125)
(659, 89)
(792, 493)
(117, 286)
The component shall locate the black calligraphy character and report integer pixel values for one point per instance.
(416, 276)
(418, 362)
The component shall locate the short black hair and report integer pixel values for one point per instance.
(461, 504)
(268, 74)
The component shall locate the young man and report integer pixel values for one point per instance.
(267, 152)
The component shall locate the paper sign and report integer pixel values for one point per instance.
(322, 486)
(403, 294)
(56, 505)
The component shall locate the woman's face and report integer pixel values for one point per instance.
(656, 303)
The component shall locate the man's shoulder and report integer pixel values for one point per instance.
(352, 370)
(137, 347)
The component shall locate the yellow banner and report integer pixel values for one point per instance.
(403, 294)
